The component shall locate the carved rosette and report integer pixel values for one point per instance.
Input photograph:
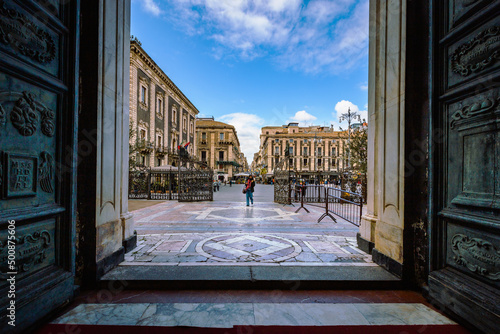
(46, 171)
(475, 109)
(48, 126)
(477, 54)
(477, 255)
(24, 36)
(24, 116)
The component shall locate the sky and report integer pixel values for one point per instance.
(255, 63)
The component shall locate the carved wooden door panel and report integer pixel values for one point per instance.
(465, 250)
(38, 97)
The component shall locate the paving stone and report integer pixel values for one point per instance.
(307, 257)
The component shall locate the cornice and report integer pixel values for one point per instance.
(136, 49)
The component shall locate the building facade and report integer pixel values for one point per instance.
(160, 114)
(315, 152)
(218, 145)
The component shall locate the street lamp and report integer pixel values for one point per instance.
(349, 117)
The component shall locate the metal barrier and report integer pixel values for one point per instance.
(342, 203)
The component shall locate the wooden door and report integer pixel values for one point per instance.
(465, 247)
(38, 99)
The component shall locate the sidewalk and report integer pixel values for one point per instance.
(226, 232)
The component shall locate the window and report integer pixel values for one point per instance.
(276, 160)
(276, 150)
(291, 150)
(191, 127)
(334, 151)
(174, 115)
(159, 162)
(221, 155)
(291, 141)
(203, 136)
(319, 150)
(334, 162)
(305, 151)
(319, 162)
(143, 160)
(203, 155)
(291, 162)
(142, 134)
(276, 141)
(159, 107)
(305, 141)
(159, 141)
(143, 94)
(305, 162)
(184, 123)
(221, 136)
(267, 132)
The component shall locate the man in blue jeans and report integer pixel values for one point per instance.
(249, 187)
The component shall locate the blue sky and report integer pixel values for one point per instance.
(253, 63)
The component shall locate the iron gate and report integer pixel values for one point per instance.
(282, 182)
(195, 183)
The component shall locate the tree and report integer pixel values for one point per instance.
(357, 149)
(137, 171)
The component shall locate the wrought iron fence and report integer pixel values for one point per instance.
(153, 185)
(195, 185)
(342, 203)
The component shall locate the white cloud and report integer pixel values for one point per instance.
(343, 107)
(311, 36)
(303, 117)
(363, 87)
(248, 129)
(151, 7)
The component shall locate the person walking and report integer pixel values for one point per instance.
(249, 189)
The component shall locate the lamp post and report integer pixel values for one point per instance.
(349, 117)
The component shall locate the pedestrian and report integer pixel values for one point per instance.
(230, 183)
(249, 189)
(218, 185)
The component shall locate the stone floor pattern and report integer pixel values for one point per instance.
(229, 233)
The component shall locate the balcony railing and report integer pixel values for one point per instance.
(144, 146)
(161, 151)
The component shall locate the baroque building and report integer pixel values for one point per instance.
(315, 152)
(218, 145)
(160, 114)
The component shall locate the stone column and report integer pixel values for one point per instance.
(382, 226)
(106, 226)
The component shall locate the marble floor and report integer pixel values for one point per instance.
(222, 232)
(227, 315)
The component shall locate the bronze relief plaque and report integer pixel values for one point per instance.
(477, 255)
(20, 175)
(34, 249)
(476, 54)
(22, 35)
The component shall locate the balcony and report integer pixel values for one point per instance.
(161, 151)
(144, 146)
(203, 142)
(225, 142)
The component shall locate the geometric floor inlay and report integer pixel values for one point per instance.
(243, 214)
(248, 248)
